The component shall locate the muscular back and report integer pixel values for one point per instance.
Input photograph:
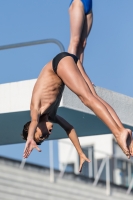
(47, 90)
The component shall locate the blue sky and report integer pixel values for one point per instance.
(108, 55)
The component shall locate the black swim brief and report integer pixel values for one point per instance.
(57, 59)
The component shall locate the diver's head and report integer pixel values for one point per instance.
(43, 130)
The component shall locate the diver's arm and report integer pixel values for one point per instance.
(70, 132)
(35, 115)
(30, 143)
(73, 137)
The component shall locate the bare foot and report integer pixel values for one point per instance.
(131, 145)
(124, 141)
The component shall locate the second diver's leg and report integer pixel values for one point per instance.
(85, 32)
(77, 17)
(74, 80)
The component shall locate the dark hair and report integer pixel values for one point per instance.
(25, 130)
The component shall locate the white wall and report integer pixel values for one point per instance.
(16, 96)
(102, 146)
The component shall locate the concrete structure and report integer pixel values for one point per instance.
(102, 150)
(102, 146)
(14, 112)
(32, 183)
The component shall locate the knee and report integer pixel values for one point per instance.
(82, 44)
(75, 42)
(87, 100)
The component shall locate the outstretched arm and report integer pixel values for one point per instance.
(30, 143)
(35, 115)
(73, 137)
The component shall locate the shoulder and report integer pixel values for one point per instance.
(52, 119)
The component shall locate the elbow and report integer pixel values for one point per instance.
(69, 129)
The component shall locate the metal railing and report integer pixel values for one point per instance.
(32, 43)
(97, 172)
(130, 187)
(105, 163)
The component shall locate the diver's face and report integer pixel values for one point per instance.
(43, 131)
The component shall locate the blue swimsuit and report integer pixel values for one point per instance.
(87, 5)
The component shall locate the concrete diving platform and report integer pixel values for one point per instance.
(15, 112)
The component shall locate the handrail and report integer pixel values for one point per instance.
(101, 152)
(51, 159)
(64, 168)
(105, 162)
(130, 187)
(31, 43)
(22, 163)
(99, 171)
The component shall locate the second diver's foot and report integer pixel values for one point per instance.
(124, 141)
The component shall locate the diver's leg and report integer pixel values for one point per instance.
(92, 88)
(75, 81)
(77, 17)
(85, 32)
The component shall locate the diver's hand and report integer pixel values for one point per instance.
(83, 158)
(29, 146)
